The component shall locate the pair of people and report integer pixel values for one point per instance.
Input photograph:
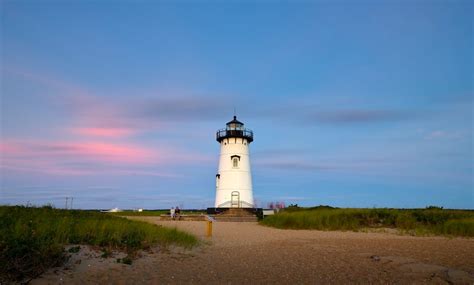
(175, 213)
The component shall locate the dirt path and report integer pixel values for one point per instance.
(240, 253)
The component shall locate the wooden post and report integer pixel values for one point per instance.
(209, 229)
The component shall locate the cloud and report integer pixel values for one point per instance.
(92, 157)
(66, 89)
(70, 158)
(103, 132)
(439, 134)
(298, 113)
(100, 116)
(98, 137)
(110, 152)
(355, 116)
(294, 165)
(87, 113)
(183, 108)
(6, 148)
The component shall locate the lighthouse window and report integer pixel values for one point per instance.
(235, 162)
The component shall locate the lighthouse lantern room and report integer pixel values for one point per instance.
(234, 178)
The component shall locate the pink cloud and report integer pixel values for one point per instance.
(95, 136)
(92, 157)
(119, 152)
(90, 114)
(6, 148)
(100, 151)
(103, 132)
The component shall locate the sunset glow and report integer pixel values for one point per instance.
(118, 105)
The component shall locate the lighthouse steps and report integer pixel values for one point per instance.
(235, 219)
(234, 214)
(238, 212)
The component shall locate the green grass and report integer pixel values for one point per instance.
(32, 239)
(418, 221)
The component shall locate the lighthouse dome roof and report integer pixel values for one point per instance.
(234, 129)
(235, 121)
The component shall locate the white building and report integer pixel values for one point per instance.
(234, 179)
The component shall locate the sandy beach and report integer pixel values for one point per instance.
(241, 253)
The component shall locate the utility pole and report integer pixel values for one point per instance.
(66, 203)
(72, 200)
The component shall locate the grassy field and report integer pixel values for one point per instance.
(32, 239)
(419, 221)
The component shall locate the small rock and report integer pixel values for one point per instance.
(375, 258)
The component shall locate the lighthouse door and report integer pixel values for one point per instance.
(235, 199)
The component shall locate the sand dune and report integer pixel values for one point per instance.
(248, 253)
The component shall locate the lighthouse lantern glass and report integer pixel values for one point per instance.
(234, 126)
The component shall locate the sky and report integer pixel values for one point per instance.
(352, 103)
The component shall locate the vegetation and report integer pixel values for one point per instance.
(125, 260)
(33, 239)
(432, 220)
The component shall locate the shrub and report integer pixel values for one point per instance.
(462, 227)
(32, 239)
(434, 221)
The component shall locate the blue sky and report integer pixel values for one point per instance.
(353, 104)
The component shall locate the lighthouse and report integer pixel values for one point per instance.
(234, 177)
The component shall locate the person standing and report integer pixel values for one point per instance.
(172, 213)
(178, 212)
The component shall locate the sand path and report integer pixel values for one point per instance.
(240, 253)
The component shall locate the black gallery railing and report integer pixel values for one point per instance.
(226, 133)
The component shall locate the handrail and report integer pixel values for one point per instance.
(248, 204)
(227, 133)
(244, 131)
(220, 205)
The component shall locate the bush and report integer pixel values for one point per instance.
(435, 221)
(33, 239)
(126, 260)
(463, 227)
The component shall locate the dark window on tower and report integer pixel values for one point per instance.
(235, 162)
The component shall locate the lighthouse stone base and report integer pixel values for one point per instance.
(236, 214)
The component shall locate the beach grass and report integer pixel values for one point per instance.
(434, 221)
(33, 239)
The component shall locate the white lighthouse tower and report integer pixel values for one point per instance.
(234, 178)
